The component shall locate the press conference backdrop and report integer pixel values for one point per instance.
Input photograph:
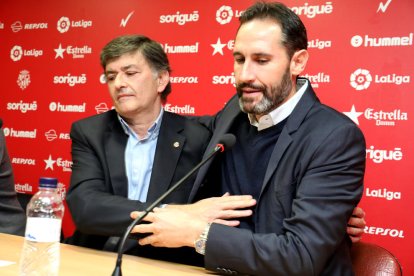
(361, 63)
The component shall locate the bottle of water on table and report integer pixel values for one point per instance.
(41, 249)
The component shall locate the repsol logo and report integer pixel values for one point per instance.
(24, 161)
(184, 79)
(35, 26)
(52, 135)
(380, 231)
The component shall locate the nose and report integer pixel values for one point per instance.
(119, 81)
(244, 72)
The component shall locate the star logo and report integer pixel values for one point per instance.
(59, 51)
(49, 162)
(218, 47)
(353, 114)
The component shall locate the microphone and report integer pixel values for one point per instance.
(226, 142)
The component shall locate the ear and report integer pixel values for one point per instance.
(298, 62)
(163, 79)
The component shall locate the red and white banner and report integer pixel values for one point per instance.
(361, 63)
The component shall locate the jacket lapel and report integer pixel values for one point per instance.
(285, 139)
(169, 147)
(115, 143)
(225, 118)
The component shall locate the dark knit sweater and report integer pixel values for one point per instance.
(244, 166)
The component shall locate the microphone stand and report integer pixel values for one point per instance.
(117, 271)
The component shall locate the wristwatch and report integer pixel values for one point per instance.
(200, 243)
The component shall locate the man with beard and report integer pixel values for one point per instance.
(302, 162)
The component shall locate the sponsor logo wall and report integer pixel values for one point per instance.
(360, 63)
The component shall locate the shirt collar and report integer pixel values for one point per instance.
(152, 131)
(283, 111)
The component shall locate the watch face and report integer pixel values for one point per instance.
(200, 246)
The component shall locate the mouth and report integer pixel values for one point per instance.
(251, 91)
(123, 96)
(247, 89)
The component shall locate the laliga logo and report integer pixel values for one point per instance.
(224, 15)
(63, 24)
(16, 53)
(102, 78)
(360, 79)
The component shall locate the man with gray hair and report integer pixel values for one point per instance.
(125, 158)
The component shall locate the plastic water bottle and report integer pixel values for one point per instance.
(41, 249)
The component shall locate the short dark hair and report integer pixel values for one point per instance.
(150, 49)
(294, 35)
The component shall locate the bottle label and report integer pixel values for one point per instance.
(43, 229)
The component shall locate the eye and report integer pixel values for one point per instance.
(239, 60)
(130, 73)
(262, 61)
(109, 77)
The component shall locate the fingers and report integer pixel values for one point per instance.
(147, 241)
(355, 233)
(230, 214)
(357, 222)
(232, 223)
(143, 228)
(355, 239)
(358, 212)
(234, 202)
(134, 214)
(137, 214)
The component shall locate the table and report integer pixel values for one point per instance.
(75, 260)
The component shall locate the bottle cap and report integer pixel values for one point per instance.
(48, 182)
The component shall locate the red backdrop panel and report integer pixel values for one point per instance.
(361, 64)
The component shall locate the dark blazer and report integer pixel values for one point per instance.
(97, 197)
(12, 216)
(312, 183)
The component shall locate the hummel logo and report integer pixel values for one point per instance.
(125, 21)
(383, 7)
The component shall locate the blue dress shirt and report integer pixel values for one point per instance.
(139, 158)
